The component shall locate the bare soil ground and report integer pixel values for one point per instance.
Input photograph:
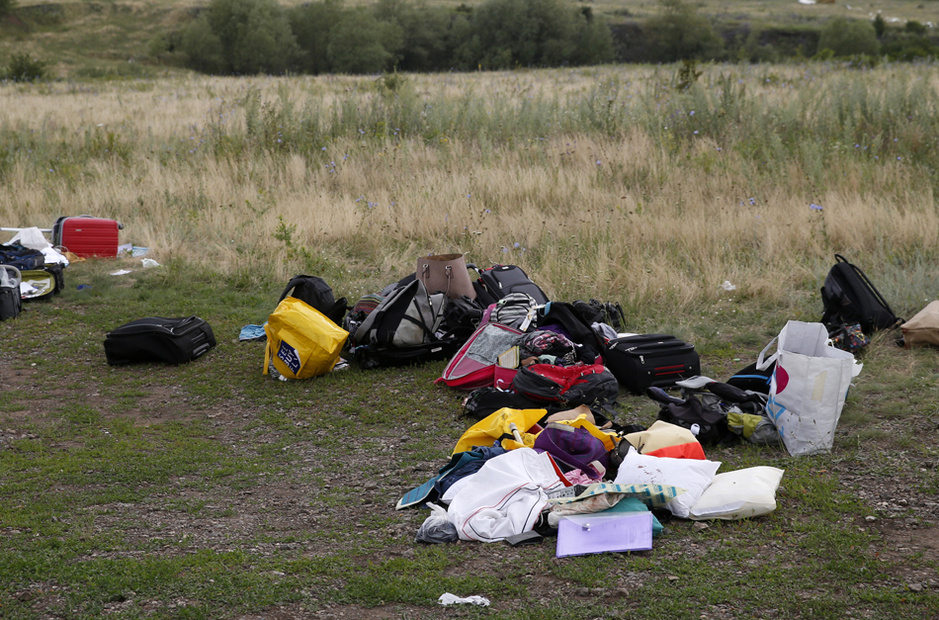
(281, 507)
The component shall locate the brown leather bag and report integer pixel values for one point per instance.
(445, 273)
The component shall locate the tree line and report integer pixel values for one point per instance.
(252, 36)
(239, 37)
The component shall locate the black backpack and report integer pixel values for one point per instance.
(850, 297)
(704, 410)
(314, 291)
(461, 316)
(574, 326)
(594, 311)
(708, 422)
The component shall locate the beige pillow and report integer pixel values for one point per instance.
(739, 494)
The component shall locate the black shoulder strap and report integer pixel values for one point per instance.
(290, 286)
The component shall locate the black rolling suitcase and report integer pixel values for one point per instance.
(647, 360)
(500, 280)
(159, 339)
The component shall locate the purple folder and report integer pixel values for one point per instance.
(593, 533)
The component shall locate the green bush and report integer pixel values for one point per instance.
(203, 47)
(534, 33)
(24, 68)
(906, 47)
(312, 25)
(880, 25)
(678, 32)
(427, 37)
(360, 43)
(241, 37)
(849, 37)
(753, 50)
(915, 27)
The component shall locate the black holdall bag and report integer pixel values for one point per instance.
(370, 356)
(159, 339)
(646, 360)
(850, 297)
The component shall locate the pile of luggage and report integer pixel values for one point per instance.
(507, 342)
(32, 268)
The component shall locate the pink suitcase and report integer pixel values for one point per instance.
(87, 236)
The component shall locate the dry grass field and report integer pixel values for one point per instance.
(604, 182)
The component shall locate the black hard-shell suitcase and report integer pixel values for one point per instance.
(647, 360)
(500, 280)
(159, 339)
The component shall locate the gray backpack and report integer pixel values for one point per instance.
(407, 316)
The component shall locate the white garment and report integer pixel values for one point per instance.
(31, 238)
(505, 497)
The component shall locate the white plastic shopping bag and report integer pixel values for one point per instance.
(809, 386)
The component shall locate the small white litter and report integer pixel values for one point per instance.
(450, 599)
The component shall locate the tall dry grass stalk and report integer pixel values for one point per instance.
(604, 182)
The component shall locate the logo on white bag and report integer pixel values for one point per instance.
(781, 377)
(289, 356)
(775, 410)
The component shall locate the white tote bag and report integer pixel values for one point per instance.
(809, 386)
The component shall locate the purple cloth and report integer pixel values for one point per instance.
(574, 447)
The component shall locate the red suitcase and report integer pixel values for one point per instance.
(87, 236)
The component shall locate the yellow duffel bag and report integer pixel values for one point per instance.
(301, 341)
